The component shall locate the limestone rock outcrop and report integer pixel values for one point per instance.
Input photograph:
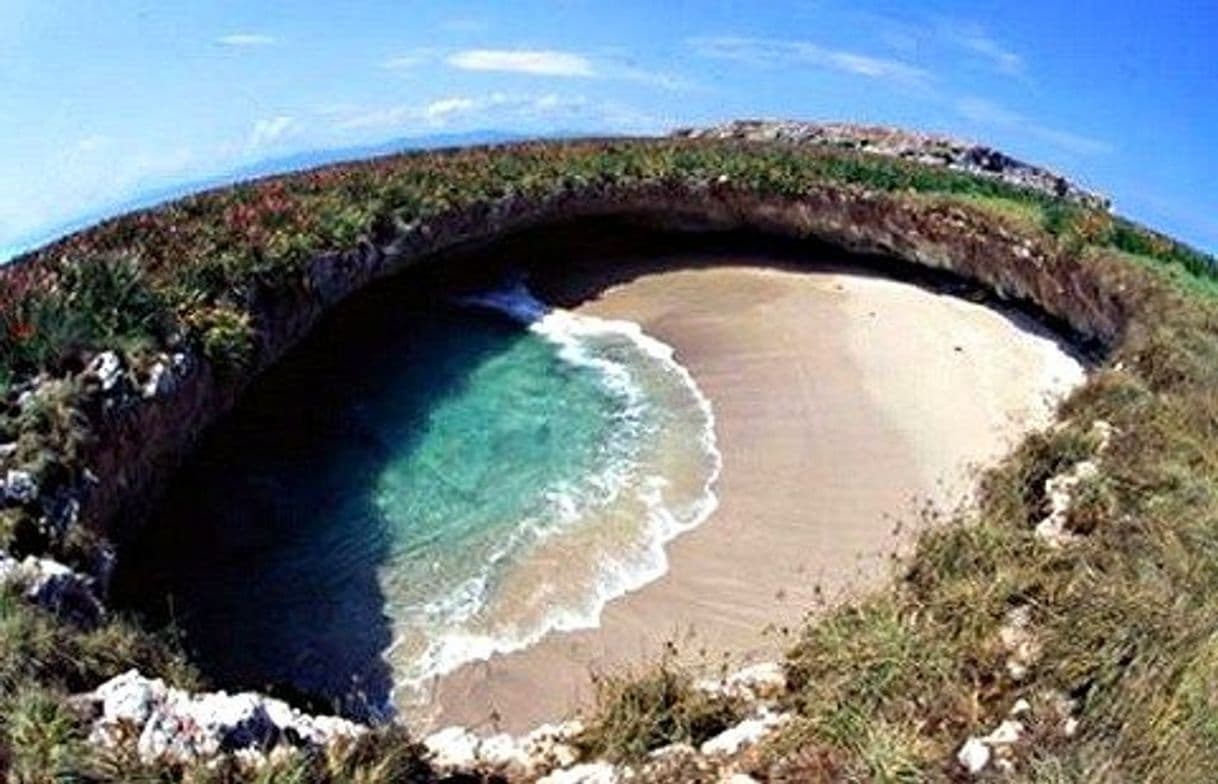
(924, 148)
(168, 724)
(54, 587)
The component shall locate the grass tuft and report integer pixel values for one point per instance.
(638, 712)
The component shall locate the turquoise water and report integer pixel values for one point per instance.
(472, 477)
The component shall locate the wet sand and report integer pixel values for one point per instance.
(843, 403)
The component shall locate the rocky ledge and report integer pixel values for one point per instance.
(170, 725)
(163, 724)
(925, 148)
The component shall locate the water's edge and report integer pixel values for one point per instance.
(566, 331)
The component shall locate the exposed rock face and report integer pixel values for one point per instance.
(54, 587)
(761, 682)
(19, 487)
(164, 724)
(924, 148)
(143, 438)
(1061, 489)
(547, 748)
(169, 724)
(744, 734)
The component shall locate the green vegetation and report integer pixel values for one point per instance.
(652, 708)
(884, 689)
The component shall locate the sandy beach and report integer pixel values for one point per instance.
(843, 402)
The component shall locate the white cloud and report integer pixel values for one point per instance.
(769, 53)
(271, 130)
(445, 107)
(410, 59)
(538, 62)
(987, 112)
(501, 110)
(246, 39)
(541, 62)
(973, 38)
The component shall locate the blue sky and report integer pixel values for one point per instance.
(102, 101)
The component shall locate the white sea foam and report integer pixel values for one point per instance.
(576, 337)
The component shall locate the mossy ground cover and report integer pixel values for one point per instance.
(885, 688)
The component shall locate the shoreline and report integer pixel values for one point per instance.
(841, 416)
(672, 498)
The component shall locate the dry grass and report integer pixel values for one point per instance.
(638, 712)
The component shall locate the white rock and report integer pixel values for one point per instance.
(279, 712)
(235, 721)
(1005, 734)
(453, 748)
(251, 759)
(320, 730)
(765, 680)
(19, 486)
(974, 755)
(10, 568)
(158, 380)
(744, 734)
(1103, 434)
(503, 751)
(1020, 707)
(108, 369)
(562, 731)
(1059, 491)
(585, 773)
(55, 588)
(738, 778)
(172, 725)
(672, 751)
(1020, 642)
(549, 745)
(130, 696)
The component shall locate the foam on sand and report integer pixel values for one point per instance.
(843, 403)
(599, 537)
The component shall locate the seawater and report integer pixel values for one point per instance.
(475, 476)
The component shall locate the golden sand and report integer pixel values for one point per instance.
(843, 402)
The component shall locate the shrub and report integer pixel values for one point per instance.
(41, 740)
(225, 335)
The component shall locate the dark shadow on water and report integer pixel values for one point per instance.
(265, 550)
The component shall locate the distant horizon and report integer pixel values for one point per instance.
(170, 192)
(111, 108)
(330, 156)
